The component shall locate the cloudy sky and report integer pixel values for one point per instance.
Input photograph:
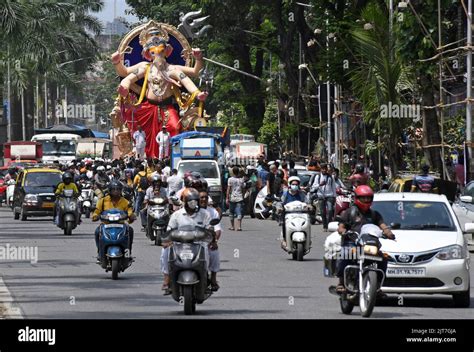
(107, 15)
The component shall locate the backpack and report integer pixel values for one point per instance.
(143, 183)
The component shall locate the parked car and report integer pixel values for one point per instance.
(34, 192)
(430, 254)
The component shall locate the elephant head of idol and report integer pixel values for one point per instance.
(154, 40)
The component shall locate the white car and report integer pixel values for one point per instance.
(430, 254)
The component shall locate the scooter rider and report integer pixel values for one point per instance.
(101, 179)
(155, 190)
(424, 182)
(11, 175)
(190, 215)
(67, 184)
(353, 219)
(359, 177)
(113, 200)
(293, 194)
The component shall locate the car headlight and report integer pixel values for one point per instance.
(31, 198)
(451, 252)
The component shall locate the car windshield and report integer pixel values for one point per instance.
(469, 190)
(416, 215)
(59, 147)
(42, 179)
(207, 170)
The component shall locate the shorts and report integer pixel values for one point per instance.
(236, 210)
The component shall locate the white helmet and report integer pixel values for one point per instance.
(294, 178)
(109, 167)
(100, 168)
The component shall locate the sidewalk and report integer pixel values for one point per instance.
(7, 311)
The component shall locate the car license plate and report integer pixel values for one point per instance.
(412, 272)
(186, 255)
(48, 205)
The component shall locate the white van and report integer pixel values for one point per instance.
(58, 147)
(209, 169)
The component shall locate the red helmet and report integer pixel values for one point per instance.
(363, 191)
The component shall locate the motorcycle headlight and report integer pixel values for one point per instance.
(371, 250)
(451, 252)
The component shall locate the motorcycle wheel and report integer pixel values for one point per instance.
(346, 306)
(189, 304)
(368, 293)
(115, 268)
(299, 252)
(87, 213)
(68, 228)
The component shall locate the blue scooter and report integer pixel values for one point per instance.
(114, 242)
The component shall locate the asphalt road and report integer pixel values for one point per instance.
(258, 280)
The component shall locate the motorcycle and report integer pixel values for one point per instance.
(158, 216)
(9, 193)
(364, 277)
(188, 265)
(68, 212)
(297, 228)
(114, 242)
(86, 200)
(343, 201)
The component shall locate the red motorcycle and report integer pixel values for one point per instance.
(343, 200)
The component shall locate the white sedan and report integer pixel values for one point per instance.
(430, 254)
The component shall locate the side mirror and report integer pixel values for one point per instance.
(332, 226)
(469, 227)
(214, 222)
(466, 199)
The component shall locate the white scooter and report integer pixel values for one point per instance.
(297, 228)
(9, 192)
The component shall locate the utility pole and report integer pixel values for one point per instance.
(469, 95)
(9, 106)
(441, 114)
(45, 102)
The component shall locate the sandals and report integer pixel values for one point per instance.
(239, 230)
(166, 289)
(214, 287)
(231, 229)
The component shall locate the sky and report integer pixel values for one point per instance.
(107, 15)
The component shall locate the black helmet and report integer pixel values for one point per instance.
(359, 168)
(115, 185)
(425, 168)
(67, 177)
(280, 174)
(191, 200)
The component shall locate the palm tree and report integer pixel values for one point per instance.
(380, 78)
(39, 37)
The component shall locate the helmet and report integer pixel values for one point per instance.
(109, 167)
(425, 168)
(359, 168)
(67, 177)
(155, 179)
(191, 200)
(188, 180)
(363, 191)
(100, 168)
(280, 174)
(294, 178)
(115, 185)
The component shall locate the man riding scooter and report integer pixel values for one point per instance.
(294, 193)
(67, 184)
(113, 200)
(353, 219)
(190, 215)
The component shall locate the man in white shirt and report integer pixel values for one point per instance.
(163, 140)
(140, 142)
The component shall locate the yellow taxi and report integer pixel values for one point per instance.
(34, 192)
